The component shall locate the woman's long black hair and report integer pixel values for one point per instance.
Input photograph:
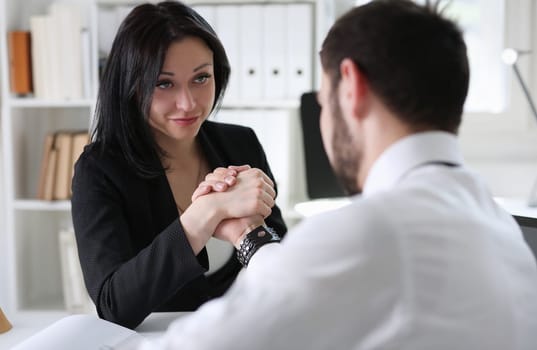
(130, 75)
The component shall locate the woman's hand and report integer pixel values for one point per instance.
(219, 180)
(234, 230)
(252, 194)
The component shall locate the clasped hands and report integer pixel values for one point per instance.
(228, 204)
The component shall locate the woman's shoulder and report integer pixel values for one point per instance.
(95, 158)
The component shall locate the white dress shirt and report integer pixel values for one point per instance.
(424, 259)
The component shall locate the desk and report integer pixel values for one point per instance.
(26, 324)
(517, 207)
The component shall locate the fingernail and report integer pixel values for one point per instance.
(229, 179)
(219, 186)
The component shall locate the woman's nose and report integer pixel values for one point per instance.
(185, 100)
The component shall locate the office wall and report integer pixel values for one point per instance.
(502, 147)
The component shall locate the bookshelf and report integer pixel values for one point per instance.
(31, 278)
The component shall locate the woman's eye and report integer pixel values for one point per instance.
(202, 78)
(164, 84)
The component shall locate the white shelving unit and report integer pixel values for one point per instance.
(29, 252)
(32, 282)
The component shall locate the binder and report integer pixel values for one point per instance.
(67, 50)
(53, 56)
(226, 19)
(274, 51)
(299, 49)
(39, 59)
(75, 293)
(274, 129)
(251, 48)
(207, 12)
(86, 62)
(107, 29)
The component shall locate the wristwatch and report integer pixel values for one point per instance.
(254, 240)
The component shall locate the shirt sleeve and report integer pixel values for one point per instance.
(316, 290)
(125, 283)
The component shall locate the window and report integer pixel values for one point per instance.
(482, 22)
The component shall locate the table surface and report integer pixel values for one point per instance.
(26, 324)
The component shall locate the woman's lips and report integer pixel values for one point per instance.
(184, 121)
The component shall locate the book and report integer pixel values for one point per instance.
(63, 146)
(66, 49)
(82, 332)
(20, 66)
(47, 148)
(60, 152)
(76, 298)
(80, 140)
(50, 176)
(39, 56)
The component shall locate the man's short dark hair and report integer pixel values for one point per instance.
(413, 58)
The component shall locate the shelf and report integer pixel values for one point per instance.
(40, 205)
(28, 102)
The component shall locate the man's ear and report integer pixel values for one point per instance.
(353, 89)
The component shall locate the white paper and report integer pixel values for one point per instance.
(82, 332)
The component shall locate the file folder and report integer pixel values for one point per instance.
(226, 18)
(299, 49)
(208, 14)
(274, 48)
(250, 46)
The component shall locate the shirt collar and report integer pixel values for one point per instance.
(409, 153)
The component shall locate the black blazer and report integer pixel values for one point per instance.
(134, 254)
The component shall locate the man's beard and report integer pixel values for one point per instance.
(346, 153)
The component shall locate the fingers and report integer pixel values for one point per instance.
(224, 175)
(201, 190)
(257, 175)
(208, 186)
(248, 191)
(239, 168)
(229, 180)
(217, 181)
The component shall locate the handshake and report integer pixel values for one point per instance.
(228, 204)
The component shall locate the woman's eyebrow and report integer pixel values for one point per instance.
(202, 66)
(194, 70)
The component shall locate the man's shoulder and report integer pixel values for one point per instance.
(359, 218)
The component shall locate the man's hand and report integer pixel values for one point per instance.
(219, 180)
(234, 230)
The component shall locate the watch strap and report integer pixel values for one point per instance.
(254, 240)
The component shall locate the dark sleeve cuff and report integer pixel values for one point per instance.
(178, 235)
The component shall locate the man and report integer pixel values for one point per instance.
(424, 258)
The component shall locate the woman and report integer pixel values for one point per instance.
(140, 238)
